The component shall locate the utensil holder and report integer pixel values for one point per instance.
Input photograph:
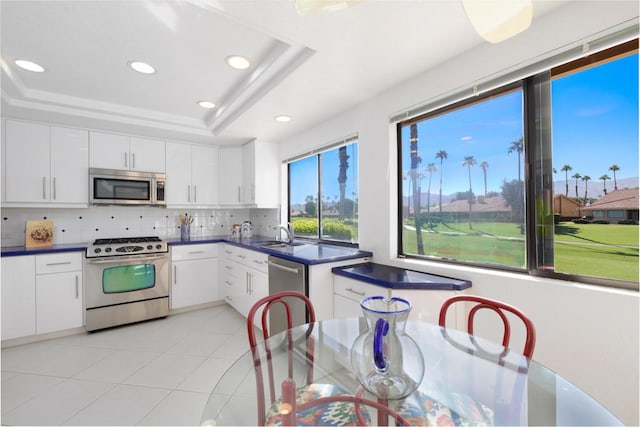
(185, 233)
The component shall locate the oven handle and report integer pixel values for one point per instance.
(117, 260)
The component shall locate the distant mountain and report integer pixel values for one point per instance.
(594, 189)
(435, 198)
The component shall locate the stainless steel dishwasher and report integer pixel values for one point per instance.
(285, 275)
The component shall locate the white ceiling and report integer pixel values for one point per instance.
(309, 67)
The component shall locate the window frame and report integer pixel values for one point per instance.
(537, 164)
(352, 140)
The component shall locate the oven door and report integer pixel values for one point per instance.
(123, 279)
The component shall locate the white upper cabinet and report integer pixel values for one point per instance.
(45, 164)
(192, 175)
(122, 152)
(261, 174)
(230, 179)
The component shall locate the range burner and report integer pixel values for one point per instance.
(126, 246)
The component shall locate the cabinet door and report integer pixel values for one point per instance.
(27, 162)
(425, 304)
(204, 175)
(69, 165)
(108, 151)
(58, 301)
(147, 155)
(258, 287)
(261, 174)
(194, 282)
(345, 307)
(230, 176)
(248, 173)
(178, 173)
(18, 296)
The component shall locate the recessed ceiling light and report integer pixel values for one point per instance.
(142, 67)
(206, 104)
(282, 118)
(29, 65)
(238, 62)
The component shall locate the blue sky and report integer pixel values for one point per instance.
(594, 120)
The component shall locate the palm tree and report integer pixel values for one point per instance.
(566, 169)
(614, 168)
(518, 147)
(585, 179)
(431, 168)
(484, 165)
(576, 176)
(416, 177)
(468, 162)
(342, 178)
(442, 155)
(604, 179)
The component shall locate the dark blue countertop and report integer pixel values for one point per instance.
(399, 278)
(305, 252)
(308, 253)
(21, 250)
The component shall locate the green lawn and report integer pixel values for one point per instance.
(601, 250)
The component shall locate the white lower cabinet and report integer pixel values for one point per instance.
(58, 292)
(41, 294)
(194, 274)
(425, 303)
(347, 294)
(18, 296)
(245, 278)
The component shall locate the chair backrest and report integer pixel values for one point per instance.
(499, 308)
(284, 299)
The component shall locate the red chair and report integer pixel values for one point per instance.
(499, 308)
(280, 410)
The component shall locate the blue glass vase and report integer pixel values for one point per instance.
(387, 362)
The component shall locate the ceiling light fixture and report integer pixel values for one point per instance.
(498, 20)
(207, 104)
(238, 62)
(29, 65)
(142, 67)
(282, 118)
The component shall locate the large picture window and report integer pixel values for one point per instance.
(323, 194)
(539, 176)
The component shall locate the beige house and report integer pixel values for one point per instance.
(566, 207)
(618, 205)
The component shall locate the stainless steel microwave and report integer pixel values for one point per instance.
(119, 187)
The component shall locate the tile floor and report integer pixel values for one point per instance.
(158, 372)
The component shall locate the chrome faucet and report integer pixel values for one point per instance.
(287, 229)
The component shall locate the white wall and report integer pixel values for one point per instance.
(588, 334)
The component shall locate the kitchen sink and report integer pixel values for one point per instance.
(276, 244)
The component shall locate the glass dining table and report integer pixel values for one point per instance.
(466, 381)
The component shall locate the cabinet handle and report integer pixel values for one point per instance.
(228, 282)
(58, 263)
(242, 256)
(175, 274)
(189, 193)
(229, 298)
(54, 188)
(228, 267)
(250, 284)
(195, 194)
(258, 262)
(133, 160)
(239, 196)
(228, 252)
(355, 292)
(44, 187)
(196, 252)
(77, 290)
(126, 159)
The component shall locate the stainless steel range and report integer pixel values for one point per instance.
(127, 280)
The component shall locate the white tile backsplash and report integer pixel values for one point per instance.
(86, 225)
